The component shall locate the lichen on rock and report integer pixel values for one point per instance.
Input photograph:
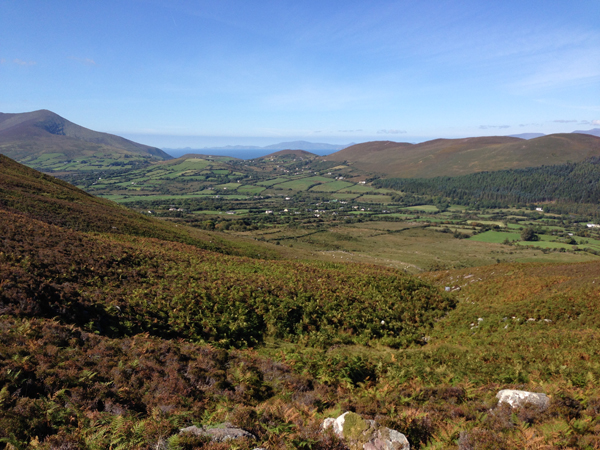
(354, 426)
(361, 434)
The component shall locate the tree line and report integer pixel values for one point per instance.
(567, 184)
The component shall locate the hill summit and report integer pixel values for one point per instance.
(42, 137)
(453, 157)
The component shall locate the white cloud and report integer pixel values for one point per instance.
(85, 61)
(485, 127)
(391, 132)
(595, 122)
(20, 62)
(565, 121)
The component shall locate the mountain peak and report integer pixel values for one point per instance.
(31, 134)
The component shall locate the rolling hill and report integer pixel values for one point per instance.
(122, 336)
(452, 157)
(119, 338)
(45, 140)
(302, 154)
(41, 197)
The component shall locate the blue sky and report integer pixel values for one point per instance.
(222, 72)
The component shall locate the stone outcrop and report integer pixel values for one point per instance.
(361, 434)
(517, 399)
(219, 433)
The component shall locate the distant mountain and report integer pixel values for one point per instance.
(40, 136)
(451, 157)
(305, 145)
(294, 145)
(301, 154)
(527, 135)
(593, 132)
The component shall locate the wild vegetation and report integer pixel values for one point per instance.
(120, 328)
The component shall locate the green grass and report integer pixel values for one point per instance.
(135, 198)
(495, 237)
(333, 186)
(398, 215)
(424, 208)
(302, 184)
(545, 244)
(375, 198)
(272, 182)
(228, 186)
(250, 190)
(359, 189)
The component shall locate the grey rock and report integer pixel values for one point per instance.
(517, 399)
(365, 434)
(328, 423)
(219, 433)
(387, 439)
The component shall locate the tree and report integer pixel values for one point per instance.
(529, 235)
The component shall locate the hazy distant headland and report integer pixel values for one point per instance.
(251, 151)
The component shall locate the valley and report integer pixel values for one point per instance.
(271, 294)
(319, 210)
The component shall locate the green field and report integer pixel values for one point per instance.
(228, 186)
(424, 208)
(273, 181)
(250, 190)
(359, 189)
(333, 186)
(302, 184)
(495, 237)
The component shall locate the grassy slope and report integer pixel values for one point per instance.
(103, 332)
(451, 157)
(88, 355)
(50, 200)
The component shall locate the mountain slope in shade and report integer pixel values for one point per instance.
(32, 136)
(451, 157)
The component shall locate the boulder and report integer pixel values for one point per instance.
(361, 434)
(220, 433)
(517, 399)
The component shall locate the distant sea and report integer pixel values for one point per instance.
(241, 154)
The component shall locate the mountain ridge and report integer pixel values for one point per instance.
(27, 137)
(451, 157)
